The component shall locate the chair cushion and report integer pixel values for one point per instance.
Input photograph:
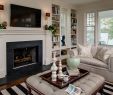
(93, 61)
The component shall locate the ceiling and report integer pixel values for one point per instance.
(79, 1)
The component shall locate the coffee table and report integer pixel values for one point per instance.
(60, 83)
(90, 84)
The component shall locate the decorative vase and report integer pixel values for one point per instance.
(73, 64)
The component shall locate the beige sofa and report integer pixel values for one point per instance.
(95, 65)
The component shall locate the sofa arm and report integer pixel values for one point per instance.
(73, 52)
(111, 63)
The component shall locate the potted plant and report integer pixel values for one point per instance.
(52, 29)
(3, 25)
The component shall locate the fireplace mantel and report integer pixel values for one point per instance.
(23, 32)
(14, 35)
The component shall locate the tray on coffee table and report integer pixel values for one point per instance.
(60, 83)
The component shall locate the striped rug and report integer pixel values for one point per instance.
(21, 89)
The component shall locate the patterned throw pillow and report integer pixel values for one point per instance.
(84, 51)
(103, 54)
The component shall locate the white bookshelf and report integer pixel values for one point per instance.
(63, 40)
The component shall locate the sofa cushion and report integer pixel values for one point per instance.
(93, 61)
(93, 50)
(84, 51)
(101, 53)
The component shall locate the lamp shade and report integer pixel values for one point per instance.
(1, 7)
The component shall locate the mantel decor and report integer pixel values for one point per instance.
(1, 7)
(3, 25)
(52, 29)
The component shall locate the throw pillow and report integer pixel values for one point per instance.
(84, 51)
(103, 54)
(107, 54)
(100, 53)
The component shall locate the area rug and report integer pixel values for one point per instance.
(21, 89)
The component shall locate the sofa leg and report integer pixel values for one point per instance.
(101, 90)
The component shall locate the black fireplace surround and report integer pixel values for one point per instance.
(24, 57)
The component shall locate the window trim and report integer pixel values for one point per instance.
(95, 27)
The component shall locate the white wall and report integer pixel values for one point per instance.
(97, 6)
(44, 5)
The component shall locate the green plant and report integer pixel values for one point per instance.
(52, 29)
(3, 25)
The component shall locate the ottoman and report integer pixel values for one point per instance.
(90, 85)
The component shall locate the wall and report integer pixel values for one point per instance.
(82, 9)
(44, 5)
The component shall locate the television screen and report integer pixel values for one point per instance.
(25, 17)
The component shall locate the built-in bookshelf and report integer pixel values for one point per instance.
(56, 22)
(59, 40)
(73, 28)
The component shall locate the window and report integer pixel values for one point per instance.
(106, 27)
(90, 28)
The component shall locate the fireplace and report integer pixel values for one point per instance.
(24, 56)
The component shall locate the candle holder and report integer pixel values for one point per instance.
(54, 68)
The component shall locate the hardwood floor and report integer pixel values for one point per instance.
(12, 83)
(19, 78)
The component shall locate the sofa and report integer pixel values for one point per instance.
(94, 64)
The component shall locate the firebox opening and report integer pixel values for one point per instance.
(24, 56)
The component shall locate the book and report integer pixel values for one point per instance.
(73, 90)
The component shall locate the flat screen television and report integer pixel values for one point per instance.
(24, 16)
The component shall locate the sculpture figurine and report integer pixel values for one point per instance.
(63, 40)
(60, 73)
(54, 68)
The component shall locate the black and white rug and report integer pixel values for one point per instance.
(21, 89)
